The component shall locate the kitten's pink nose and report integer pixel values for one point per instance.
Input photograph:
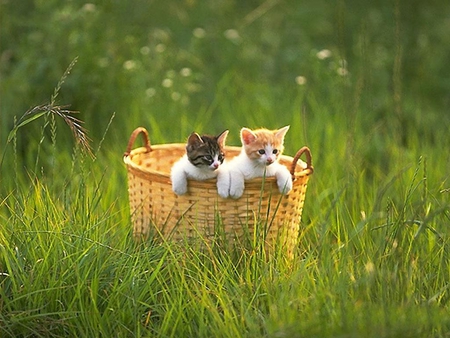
(269, 160)
(215, 165)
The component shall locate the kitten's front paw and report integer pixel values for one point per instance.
(223, 192)
(285, 186)
(237, 185)
(179, 189)
(223, 183)
(236, 192)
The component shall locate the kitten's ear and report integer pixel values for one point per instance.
(247, 136)
(222, 137)
(194, 140)
(280, 133)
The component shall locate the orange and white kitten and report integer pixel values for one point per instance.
(261, 150)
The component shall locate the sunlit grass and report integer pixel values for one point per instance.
(372, 261)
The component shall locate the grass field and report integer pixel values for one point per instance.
(364, 84)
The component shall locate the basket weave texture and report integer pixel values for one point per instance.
(201, 213)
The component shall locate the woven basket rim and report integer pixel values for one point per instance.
(181, 146)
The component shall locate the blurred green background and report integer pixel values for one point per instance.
(199, 62)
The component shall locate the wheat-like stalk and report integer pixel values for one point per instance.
(75, 124)
(53, 110)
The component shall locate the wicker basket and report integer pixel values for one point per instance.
(201, 213)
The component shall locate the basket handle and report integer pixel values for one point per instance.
(133, 136)
(307, 152)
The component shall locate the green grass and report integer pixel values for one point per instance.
(373, 256)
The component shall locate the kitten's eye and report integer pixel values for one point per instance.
(261, 151)
(275, 151)
(208, 158)
(221, 157)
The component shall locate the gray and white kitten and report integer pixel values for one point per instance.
(202, 161)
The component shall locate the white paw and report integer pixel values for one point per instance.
(285, 186)
(236, 192)
(179, 189)
(223, 192)
(223, 183)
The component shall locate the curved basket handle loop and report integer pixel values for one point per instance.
(133, 136)
(307, 152)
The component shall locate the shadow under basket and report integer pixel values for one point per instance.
(261, 215)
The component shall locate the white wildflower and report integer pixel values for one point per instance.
(129, 65)
(199, 33)
(323, 54)
(231, 34)
(89, 8)
(185, 71)
(145, 50)
(300, 80)
(167, 83)
(342, 71)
